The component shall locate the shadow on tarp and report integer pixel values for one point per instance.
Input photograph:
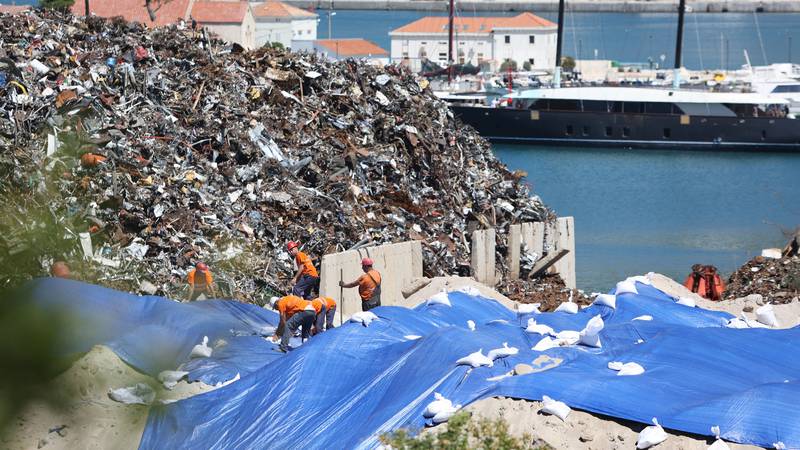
(346, 387)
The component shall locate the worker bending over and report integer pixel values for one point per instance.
(306, 279)
(369, 286)
(325, 308)
(295, 313)
(200, 282)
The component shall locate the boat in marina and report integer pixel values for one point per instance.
(637, 117)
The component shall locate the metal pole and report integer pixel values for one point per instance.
(341, 297)
(450, 44)
(790, 50)
(676, 78)
(330, 9)
(559, 38)
(86, 6)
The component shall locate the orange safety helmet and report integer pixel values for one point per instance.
(291, 244)
(367, 262)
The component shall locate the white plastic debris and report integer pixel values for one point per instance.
(779, 445)
(471, 325)
(546, 343)
(626, 369)
(438, 405)
(626, 287)
(502, 352)
(440, 298)
(534, 327)
(686, 301)
(138, 394)
(719, 444)
(527, 308)
(363, 317)
(651, 436)
(766, 315)
(170, 378)
(476, 359)
(606, 300)
(201, 350)
(555, 407)
(590, 335)
(644, 317)
(568, 307)
(39, 66)
(772, 253)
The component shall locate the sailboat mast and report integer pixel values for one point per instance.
(676, 77)
(559, 39)
(450, 44)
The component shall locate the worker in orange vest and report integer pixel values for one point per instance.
(200, 282)
(325, 308)
(295, 313)
(306, 280)
(369, 285)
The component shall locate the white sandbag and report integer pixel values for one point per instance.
(630, 369)
(170, 378)
(590, 335)
(440, 298)
(555, 407)
(626, 287)
(779, 445)
(502, 352)
(644, 279)
(568, 337)
(363, 317)
(201, 350)
(471, 325)
(644, 317)
(445, 415)
(138, 394)
(527, 308)
(438, 405)
(411, 337)
(686, 301)
(606, 300)
(475, 359)
(568, 307)
(469, 290)
(766, 315)
(534, 327)
(651, 436)
(546, 343)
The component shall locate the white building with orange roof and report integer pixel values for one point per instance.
(356, 48)
(293, 27)
(525, 38)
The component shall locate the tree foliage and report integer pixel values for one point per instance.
(56, 4)
(508, 64)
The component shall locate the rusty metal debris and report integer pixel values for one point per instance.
(133, 153)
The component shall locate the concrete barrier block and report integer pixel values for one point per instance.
(514, 240)
(565, 239)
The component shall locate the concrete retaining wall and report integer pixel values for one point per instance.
(397, 263)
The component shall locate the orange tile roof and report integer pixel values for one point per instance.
(279, 9)
(166, 11)
(13, 9)
(480, 25)
(219, 11)
(351, 47)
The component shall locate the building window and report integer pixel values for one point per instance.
(443, 56)
(531, 39)
(424, 43)
(508, 39)
(569, 130)
(586, 130)
(626, 132)
(405, 55)
(609, 131)
(480, 58)
(530, 60)
(667, 133)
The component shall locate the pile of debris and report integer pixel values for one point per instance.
(133, 153)
(775, 276)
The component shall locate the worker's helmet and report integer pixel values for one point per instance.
(273, 301)
(367, 262)
(291, 244)
(202, 267)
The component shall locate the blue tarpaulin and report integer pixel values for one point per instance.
(346, 387)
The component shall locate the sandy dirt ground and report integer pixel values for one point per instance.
(89, 419)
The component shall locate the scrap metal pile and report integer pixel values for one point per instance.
(776, 279)
(133, 153)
